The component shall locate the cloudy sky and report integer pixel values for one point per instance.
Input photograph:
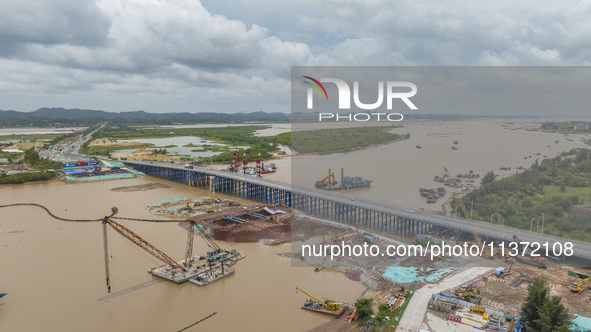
(233, 56)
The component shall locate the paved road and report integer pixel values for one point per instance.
(69, 152)
(417, 307)
(581, 249)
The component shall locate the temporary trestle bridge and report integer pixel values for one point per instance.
(380, 217)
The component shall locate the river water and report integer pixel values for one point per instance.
(53, 271)
(399, 169)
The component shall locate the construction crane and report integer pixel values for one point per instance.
(194, 227)
(75, 134)
(578, 287)
(465, 212)
(136, 239)
(540, 260)
(328, 304)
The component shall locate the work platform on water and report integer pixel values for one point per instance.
(381, 217)
(203, 269)
(336, 313)
(198, 266)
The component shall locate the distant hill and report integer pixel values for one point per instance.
(58, 116)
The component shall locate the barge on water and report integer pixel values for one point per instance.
(347, 182)
(316, 307)
(210, 276)
(197, 266)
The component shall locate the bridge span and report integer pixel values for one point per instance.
(375, 216)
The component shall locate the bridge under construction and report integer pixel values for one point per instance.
(380, 217)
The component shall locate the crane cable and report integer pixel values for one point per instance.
(86, 220)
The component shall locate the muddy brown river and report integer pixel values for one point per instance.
(54, 274)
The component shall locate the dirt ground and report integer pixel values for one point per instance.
(501, 296)
(141, 187)
(270, 231)
(111, 143)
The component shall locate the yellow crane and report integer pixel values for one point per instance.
(328, 304)
(578, 287)
(466, 214)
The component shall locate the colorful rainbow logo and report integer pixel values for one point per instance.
(316, 87)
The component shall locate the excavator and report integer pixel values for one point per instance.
(578, 287)
(467, 293)
(327, 181)
(213, 208)
(328, 304)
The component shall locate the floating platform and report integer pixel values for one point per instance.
(335, 313)
(199, 265)
(208, 277)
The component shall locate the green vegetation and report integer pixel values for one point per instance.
(363, 307)
(28, 137)
(339, 140)
(551, 187)
(33, 160)
(380, 322)
(12, 157)
(233, 135)
(567, 127)
(25, 177)
(541, 312)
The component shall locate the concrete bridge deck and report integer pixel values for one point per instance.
(377, 216)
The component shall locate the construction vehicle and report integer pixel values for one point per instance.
(468, 293)
(213, 208)
(328, 181)
(327, 304)
(449, 179)
(578, 287)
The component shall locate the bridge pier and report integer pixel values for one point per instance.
(370, 215)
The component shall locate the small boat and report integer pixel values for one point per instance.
(456, 142)
(2, 295)
(418, 146)
(454, 148)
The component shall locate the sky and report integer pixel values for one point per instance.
(236, 56)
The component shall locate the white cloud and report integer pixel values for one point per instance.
(177, 55)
